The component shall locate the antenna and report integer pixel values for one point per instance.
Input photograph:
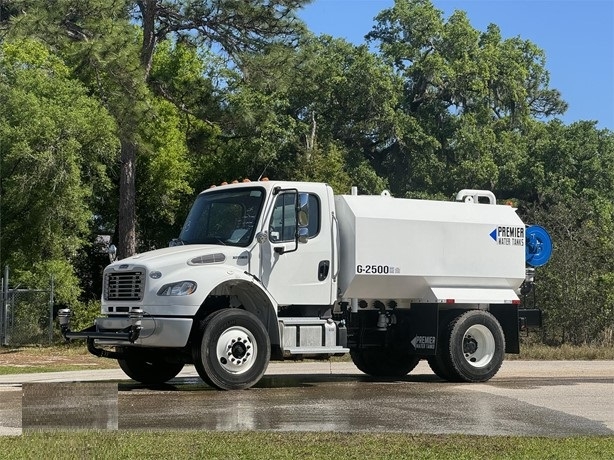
(264, 170)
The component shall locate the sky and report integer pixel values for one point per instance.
(577, 37)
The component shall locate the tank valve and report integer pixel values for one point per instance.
(382, 322)
(384, 318)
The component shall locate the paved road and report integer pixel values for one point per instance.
(536, 398)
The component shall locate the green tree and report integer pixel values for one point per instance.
(568, 187)
(114, 57)
(575, 288)
(464, 90)
(96, 39)
(56, 144)
(316, 112)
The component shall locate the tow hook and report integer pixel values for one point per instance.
(136, 315)
(64, 318)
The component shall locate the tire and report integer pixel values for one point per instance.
(472, 350)
(384, 362)
(440, 368)
(440, 363)
(144, 369)
(233, 351)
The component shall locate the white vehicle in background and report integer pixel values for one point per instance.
(274, 270)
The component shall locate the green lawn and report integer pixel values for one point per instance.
(297, 446)
(72, 357)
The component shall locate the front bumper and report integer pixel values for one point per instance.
(133, 330)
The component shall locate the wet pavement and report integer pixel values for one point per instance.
(525, 398)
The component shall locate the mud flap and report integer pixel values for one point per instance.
(507, 315)
(423, 328)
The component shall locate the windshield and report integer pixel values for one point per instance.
(223, 217)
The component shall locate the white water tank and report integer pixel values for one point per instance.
(429, 251)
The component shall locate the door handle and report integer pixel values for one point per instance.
(323, 269)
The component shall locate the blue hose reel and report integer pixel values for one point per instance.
(538, 246)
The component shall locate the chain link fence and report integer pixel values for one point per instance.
(26, 315)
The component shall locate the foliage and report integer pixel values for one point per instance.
(56, 144)
(575, 287)
(122, 111)
(164, 173)
(462, 89)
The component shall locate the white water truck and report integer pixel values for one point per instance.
(274, 270)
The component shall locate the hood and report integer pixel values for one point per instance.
(192, 254)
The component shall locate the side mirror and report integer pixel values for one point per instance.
(303, 235)
(303, 210)
(112, 251)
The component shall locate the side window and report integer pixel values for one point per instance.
(314, 216)
(283, 219)
(282, 226)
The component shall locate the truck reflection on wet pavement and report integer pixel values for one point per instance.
(527, 398)
(418, 404)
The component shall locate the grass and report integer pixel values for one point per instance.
(7, 370)
(74, 356)
(288, 445)
(564, 352)
(56, 358)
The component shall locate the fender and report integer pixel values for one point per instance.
(240, 289)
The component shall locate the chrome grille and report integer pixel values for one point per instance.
(127, 285)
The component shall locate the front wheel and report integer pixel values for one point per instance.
(384, 362)
(474, 349)
(146, 369)
(234, 350)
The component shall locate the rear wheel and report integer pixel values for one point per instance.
(472, 350)
(233, 351)
(147, 369)
(384, 362)
(439, 367)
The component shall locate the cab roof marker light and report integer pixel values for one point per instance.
(244, 181)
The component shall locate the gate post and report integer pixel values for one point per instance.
(1, 312)
(51, 312)
(4, 312)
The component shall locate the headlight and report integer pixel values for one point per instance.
(180, 288)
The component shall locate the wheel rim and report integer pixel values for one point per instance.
(236, 350)
(478, 346)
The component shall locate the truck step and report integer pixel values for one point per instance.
(316, 350)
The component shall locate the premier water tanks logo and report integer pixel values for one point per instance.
(508, 236)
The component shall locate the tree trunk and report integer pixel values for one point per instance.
(148, 14)
(126, 246)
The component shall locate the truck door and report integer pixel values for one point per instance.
(299, 274)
